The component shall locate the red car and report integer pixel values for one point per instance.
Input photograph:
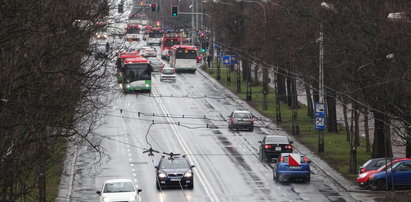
(363, 178)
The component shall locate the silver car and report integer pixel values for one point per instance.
(241, 120)
(168, 74)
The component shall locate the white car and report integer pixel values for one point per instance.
(119, 190)
(168, 74)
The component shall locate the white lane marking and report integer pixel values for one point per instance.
(203, 180)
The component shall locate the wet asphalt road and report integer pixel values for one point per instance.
(227, 165)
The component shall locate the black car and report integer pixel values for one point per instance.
(272, 146)
(174, 172)
(374, 164)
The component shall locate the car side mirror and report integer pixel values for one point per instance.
(156, 167)
(192, 166)
(291, 142)
(274, 160)
(139, 190)
(260, 141)
(98, 192)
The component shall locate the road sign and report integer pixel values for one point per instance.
(229, 60)
(319, 123)
(319, 109)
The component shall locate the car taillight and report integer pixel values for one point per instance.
(305, 159)
(282, 159)
(251, 120)
(288, 147)
(267, 146)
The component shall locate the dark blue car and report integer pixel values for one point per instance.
(285, 169)
(398, 175)
(175, 172)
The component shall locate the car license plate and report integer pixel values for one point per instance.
(278, 149)
(175, 180)
(294, 167)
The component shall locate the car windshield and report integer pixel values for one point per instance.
(168, 71)
(383, 167)
(277, 139)
(176, 163)
(118, 187)
(242, 115)
(136, 72)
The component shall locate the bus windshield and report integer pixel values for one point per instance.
(170, 42)
(136, 72)
(186, 54)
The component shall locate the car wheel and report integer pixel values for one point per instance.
(158, 185)
(251, 129)
(191, 186)
(276, 179)
(380, 185)
(230, 128)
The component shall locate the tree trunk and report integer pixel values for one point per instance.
(331, 112)
(310, 106)
(256, 81)
(281, 86)
(347, 126)
(366, 131)
(382, 143)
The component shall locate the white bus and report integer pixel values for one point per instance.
(184, 58)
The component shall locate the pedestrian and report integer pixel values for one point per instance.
(107, 46)
(209, 59)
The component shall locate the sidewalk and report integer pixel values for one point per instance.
(398, 151)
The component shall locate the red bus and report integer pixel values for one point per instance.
(167, 42)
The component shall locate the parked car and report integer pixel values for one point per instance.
(168, 74)
(292, 166)
(374, 164)
(272, 146)
(119, 190)
(363, 178)
(241, 119)
(399, 175)
(174, 171)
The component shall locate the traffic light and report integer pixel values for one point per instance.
(141, 3)
(203, 47)
(153, 7)
(174, 11)
(157, 23)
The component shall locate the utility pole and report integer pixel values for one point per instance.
(321, 87)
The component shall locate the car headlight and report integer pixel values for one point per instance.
(147, 85)
(128, 86)
(362, 175)
(161, 175)
(106, 199)
(188, 174)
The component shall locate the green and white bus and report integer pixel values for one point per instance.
(184, 58)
